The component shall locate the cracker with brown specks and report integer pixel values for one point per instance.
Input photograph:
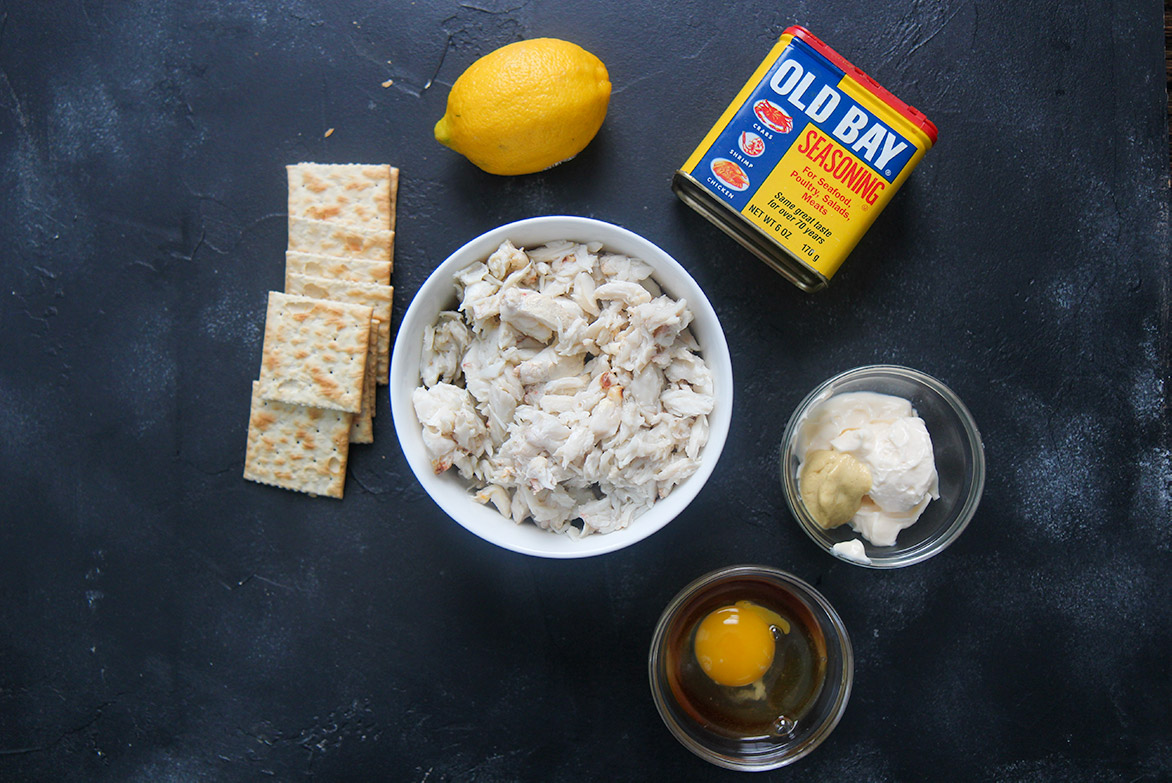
(332, 239)
(351, 194)
(314, 352)
(297, 447)
(377, 297)
(394, 192)
(360, 270)
(362, 428)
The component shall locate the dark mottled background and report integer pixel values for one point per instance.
(163, 620)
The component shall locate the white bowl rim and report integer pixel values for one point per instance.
(486, 523)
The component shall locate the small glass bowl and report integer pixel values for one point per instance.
(809, 728)
(956, 447)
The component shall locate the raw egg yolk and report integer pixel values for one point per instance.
(735, 644)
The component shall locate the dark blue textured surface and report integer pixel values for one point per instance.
(162, 619)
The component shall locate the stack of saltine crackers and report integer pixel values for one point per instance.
(328, 336)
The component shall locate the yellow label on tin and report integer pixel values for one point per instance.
(814, 199)
(807, 155)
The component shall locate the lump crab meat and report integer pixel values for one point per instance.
(566, 388)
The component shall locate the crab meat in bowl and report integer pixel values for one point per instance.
(566, 389)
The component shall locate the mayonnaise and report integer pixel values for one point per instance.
(884, 433)
(852, 550)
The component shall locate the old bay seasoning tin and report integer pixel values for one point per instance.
(804, 159)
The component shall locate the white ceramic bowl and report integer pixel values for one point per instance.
(448, 490)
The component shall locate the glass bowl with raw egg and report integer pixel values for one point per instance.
(750, 667)
(882, 466)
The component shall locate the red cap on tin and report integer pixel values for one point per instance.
(915, 116)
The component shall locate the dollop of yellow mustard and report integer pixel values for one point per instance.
(832, 485)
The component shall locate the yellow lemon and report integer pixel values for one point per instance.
(526, 106)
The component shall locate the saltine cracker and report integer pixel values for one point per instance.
(362, 428)
(352, 194)
(333, 239)
(377, 297)
(297, 447)
(314, 352)
(360, 270)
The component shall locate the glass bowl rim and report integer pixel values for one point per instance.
(961, 517)
(833, 625)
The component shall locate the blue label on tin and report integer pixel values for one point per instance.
(801, 91)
